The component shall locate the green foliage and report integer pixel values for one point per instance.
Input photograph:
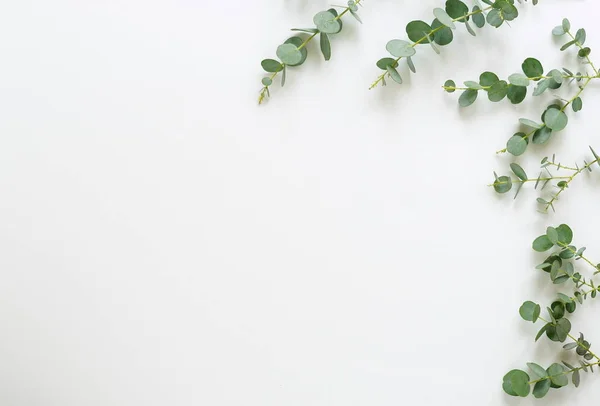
(557, 328)
(517, 144)
(293, 52)
(441, 32)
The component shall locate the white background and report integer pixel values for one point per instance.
(165, 241)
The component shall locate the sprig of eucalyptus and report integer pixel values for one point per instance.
(561, 269)
(293, 51)
(554, 118)
(503, 184)
(440, 32)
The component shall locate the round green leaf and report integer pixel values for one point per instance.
(478, 18)
(541, 388)
(556, 372)
(558, 31)
(503, 184)
(542, 135)
(530, 311)
(443, 17)
(532, 68)
(552, 235)
(563, 328)
(538, 370)
(518, 79)
(267, 82)
(467, 98)
(456, 9)
(400, 48)
(558, 309)
(494, 18)
(566, 24)
(498, 91)
(488, 79)
(383, 63)
(444, 35)
(417, 31)
(289, 54)
(556, 119)
(271, 65)
(450, 83)
(326, 22)
(516, 383)
(516, 94)
(565, 234)
(516, 145)
(542, 243)
(297, 41)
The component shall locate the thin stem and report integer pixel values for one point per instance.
(496, 183)
(570, 371)
(566, 185)
(429, 35)
(568, 247)
(264, 92)
(580, 46)
(533, 79)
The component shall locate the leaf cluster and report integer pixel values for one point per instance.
(293, 51)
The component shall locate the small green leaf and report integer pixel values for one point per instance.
(400, 48)
(516, 145)
(383, 63)
(580, 36)
(556, 372)
(498, 91)
(456, 9)
(519, 171)
(541, 136)
(516, 383)
(289, 54)
(516, 94)
(494, 18)
(530, 311)
(450, 85)
(563, 327)
(518, 79)
(537, 370)
(566, 25)
(488, 79)
(552, 235)
(443, 35)
(478, 18)
(532, 68)
(576, 378)
(356, 16)
(565, 234)
(325, 46)
(467, 98)
(271, 65)
(541, 388)
(556, 119)
(558, 31)
(417, 31)
(411, 65)
(542, 244)
(541, 87)
(530, 123)
(443, 17)
(394, 74)
(503, 184)
(473, 85)
(267, 82)
(326, 22)
(577, 104)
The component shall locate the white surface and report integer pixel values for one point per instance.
(165, 241)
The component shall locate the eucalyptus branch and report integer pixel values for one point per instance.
(558, 327)
(440, 32)
(293, 51)
(503, 184)
(554, 119)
